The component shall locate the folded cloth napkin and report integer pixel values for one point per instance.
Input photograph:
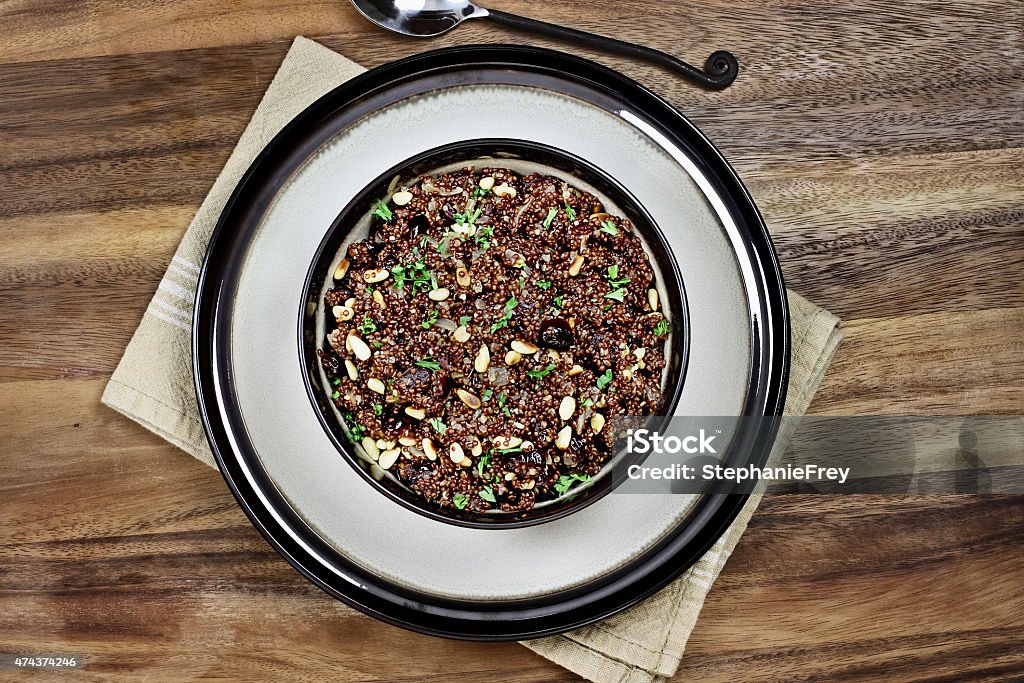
(153, 386)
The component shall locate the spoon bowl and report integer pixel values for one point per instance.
(427, 18)
(419, 18)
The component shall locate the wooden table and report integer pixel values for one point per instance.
(883, 143)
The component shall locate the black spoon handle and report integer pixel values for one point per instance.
(719, 71)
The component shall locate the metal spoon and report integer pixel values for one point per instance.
(426, 18)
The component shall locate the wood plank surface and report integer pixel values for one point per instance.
(883, 142)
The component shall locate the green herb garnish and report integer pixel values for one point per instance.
(336, 395)
(368, 326)
(544, 284)
(460, 500)
(483, 235)
(438, 424)
(570, 211)
(378, 409)
(487, 395)
(465, 320)
(416, 273)
(661, 329)
(617, 294)
(429, 364)
(487, 494)
(609, 228)
(431, 318)
(466, 218)
(559, 299)
(483, 463)
(510, 306)
(336, 381)
(604, 379)
(613, 277)
(566, 480)
(552, 212)
(382, 211)
(541, 374)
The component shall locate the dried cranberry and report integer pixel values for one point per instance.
(330, 361)
(556, 334)
(418, 225)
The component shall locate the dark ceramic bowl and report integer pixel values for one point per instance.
(351, 225)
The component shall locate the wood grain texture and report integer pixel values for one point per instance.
(883, 143)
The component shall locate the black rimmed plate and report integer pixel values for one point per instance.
(286, 473)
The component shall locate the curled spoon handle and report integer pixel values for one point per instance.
(719, 72)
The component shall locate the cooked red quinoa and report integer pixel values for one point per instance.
(482, 336)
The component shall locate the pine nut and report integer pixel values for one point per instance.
(483, 359)
(524, 347)
(462, 277)
(371, 448)
(461, 334)
(469, 399)
(350, 368)
(384, 444)
(504, 190)
(567, 408)
(478, 448)
(513, 357)
(343, 313)
(487, 183)
(597, 422)
(416, 413)
(407, 441)
(388, 457)
(401, 198)
(378, 298)
(430, 449)
(652, 299)
(342, 270)
(528, 486)
(376, 386)
(376, 274)
(563, 438)
(358, 347)
(575, 370)
(439, 294)
(456, 453)
(574, 267)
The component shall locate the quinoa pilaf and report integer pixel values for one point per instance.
(482, 337)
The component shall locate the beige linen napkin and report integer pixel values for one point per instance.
(153, 386)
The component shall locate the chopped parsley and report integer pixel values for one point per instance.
(368, 326)
(429, 364)
(382, 211)
(613, 277)
(570, 211)
(558, 300)
(356, 429)
(466, 218)
(544, 284)
(483, 463)
(487, 494)
(483, 236)
(552, 212)
(604, 379)
(415, 272)
(661, 329)
(566, 480)
(460, 500)
(438, 424)
(588, 402)
(336, 381)
(336, 395)
(541, 374)
(616, 294)
(609, 228)
(429, 321)
(378, 409)
(510, 451)
(510, 306)
(487, 395)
